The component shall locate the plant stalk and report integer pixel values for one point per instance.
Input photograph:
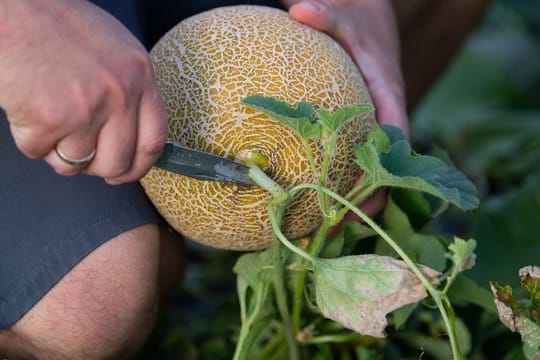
(276, 208)
(281, 300)
(313, 251)
(434, 293)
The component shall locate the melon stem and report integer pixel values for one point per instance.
(279, 200)
(259, 177)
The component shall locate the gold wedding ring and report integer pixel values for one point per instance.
(75, 162)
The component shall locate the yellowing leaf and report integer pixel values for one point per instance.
(519, 316)
(358, 291)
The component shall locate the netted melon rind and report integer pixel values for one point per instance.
(205, 66)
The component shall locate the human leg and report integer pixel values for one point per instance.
(105, 307)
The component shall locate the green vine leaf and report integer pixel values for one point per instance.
(462, 253)
(253, 283)
(301, 119)
(389, 161)
(334, 120)
(358, 291)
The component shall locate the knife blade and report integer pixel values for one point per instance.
(201, 165)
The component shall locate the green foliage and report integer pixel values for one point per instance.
(333, 121)
(484, 114)
(358, 291)
(304, 119)
(396, 165)
(300, 119)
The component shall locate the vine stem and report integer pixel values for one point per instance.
(313, 250)
(317, 241)
(274, 219)
(435, 294)
(281, 300)
(277, 204)
(279, 201)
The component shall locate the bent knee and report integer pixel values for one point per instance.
(104, 308)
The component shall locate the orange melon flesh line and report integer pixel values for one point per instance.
(205, 66)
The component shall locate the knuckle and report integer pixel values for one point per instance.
(144, 63)
(80, 105)
(121, 179)
(153, 146)
(125, 81)
(65, 171)
(42, 116)
(117, 91)
(118, 170)
(70, 109)
(25, 139)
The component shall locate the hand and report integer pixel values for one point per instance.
(367, 31)
(73, 78)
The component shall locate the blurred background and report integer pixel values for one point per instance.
(480, 110)
(483, 115)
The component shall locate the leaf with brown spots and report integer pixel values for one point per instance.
(358, 291)
(522, 316)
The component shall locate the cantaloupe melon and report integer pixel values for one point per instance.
(205, 66)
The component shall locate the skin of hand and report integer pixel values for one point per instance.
(75, 79)
(367, 30)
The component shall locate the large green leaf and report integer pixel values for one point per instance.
(397, 165)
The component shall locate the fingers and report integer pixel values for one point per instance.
(367, 31)
(384, 81)
(123, 149)
(149, 140)
(80, 84)
(313, 13)
(115, 145)
(124, 127)
(70, 153)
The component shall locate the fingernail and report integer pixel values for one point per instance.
(112, 181)
(315, 5)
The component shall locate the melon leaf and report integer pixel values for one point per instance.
(388, 161)
(358, 291)
(333, 120)
(301, 119)
(462, 253)
(253, 283)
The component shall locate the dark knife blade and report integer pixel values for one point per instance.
(201, 165)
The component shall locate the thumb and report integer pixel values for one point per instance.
(314, 13)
